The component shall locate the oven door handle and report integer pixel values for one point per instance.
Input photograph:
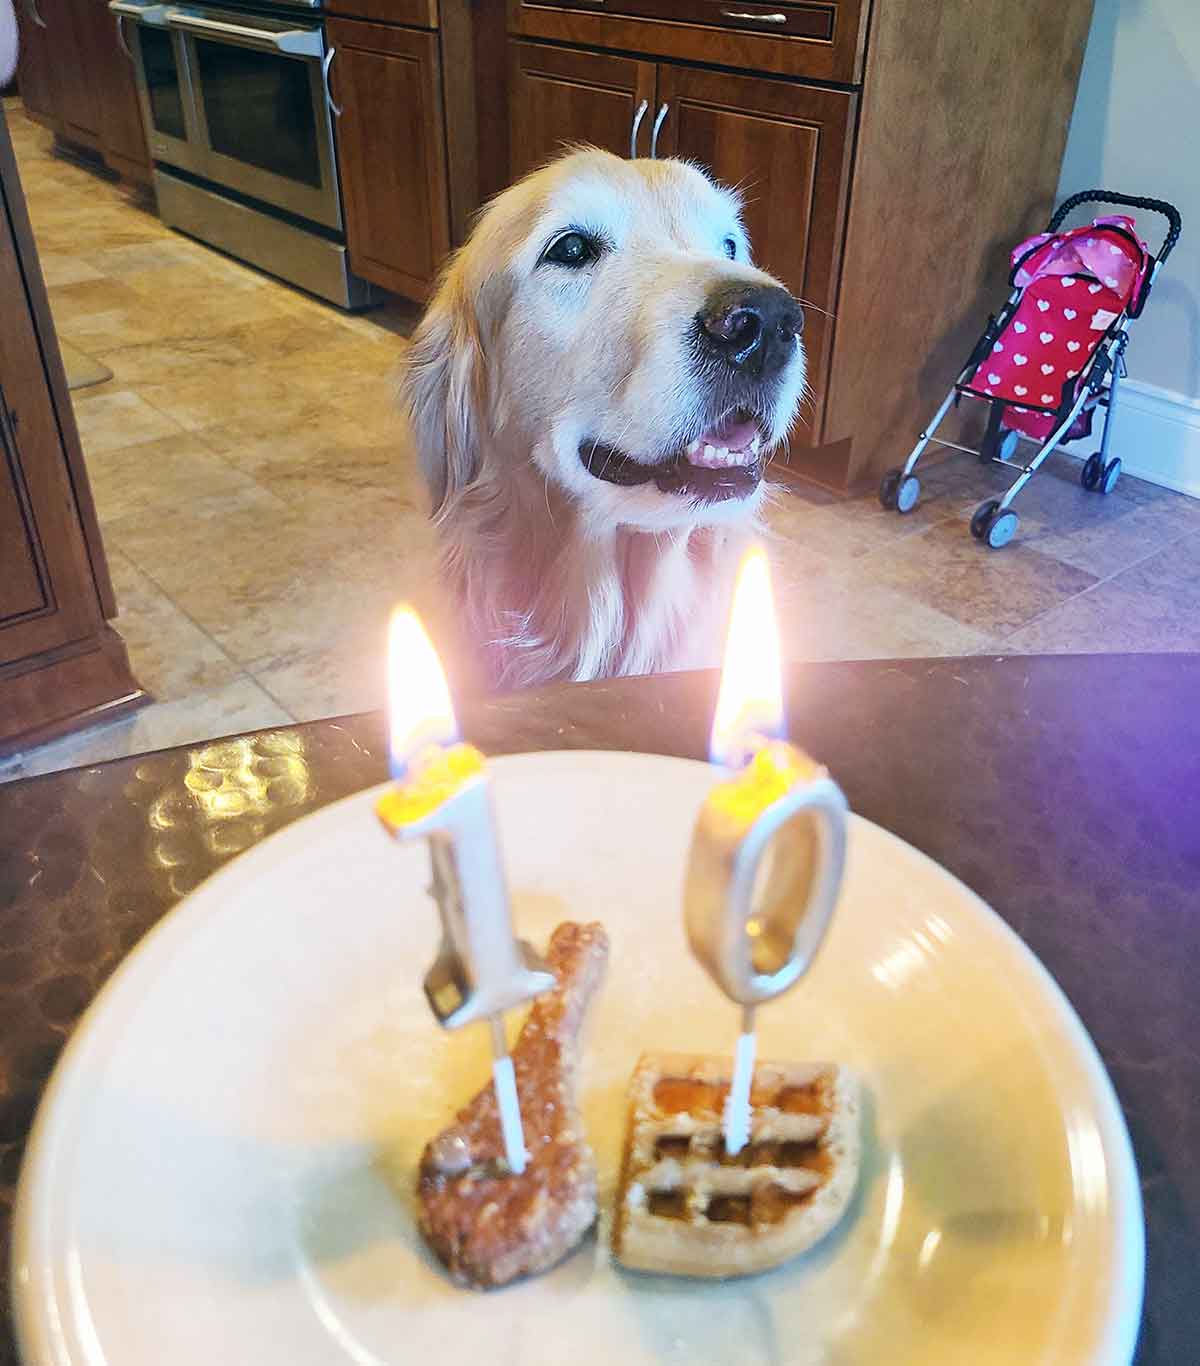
(154, 15)
(295, 42)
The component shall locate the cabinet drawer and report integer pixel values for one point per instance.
(819, 39)
(413, 13)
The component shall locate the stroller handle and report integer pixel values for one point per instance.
(1127, 201)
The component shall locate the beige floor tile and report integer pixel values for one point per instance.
(246, 392)
(990, 591)
(173, 471)
(188, 359)
(74, 303)
(347, 677)
(171, 656)
(1152, 606)
(833, 609)
(109, 418)
(237, 706)
(59, 269)
(233, 536)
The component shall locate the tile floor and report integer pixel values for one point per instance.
(261, 511)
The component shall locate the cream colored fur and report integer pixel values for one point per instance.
(560, 574)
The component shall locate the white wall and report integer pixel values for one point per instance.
(1136, 128)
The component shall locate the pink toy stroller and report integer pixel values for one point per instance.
(1053, 356)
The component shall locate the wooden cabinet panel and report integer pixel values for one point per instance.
(787, 148)
(70, 24)
(119, 115)
(392, 151)
(54, 599)
(22, 574)
(37, 72)
(557, 96)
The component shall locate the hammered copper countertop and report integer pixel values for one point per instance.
(1065, 790)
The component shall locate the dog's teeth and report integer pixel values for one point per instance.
(722, 453)
(709, 452)
(693, 447)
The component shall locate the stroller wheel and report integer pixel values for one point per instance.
(889, 487)
(1092, 472)
(908, 493)
(1001, 445)
(1112, 472)
(1001, 528)
(983, 515)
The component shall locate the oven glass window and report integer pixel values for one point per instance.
(162, 81)
(260, 110)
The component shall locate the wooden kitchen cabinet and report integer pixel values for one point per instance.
(118, 112)
(391, 150)
(558, 96)
(76, 80)
(70, 27)
(39, 80)
(61, 664)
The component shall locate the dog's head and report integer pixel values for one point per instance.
(604, 321)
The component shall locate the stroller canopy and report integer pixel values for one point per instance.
(1075, 285)
(1107, 249)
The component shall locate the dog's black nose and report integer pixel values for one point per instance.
(751, 327)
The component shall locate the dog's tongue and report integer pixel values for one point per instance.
(733, 441)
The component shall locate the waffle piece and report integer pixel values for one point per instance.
(686, 1207)
(487, 1225)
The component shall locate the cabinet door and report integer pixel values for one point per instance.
(787, 147)
(110, 69)
(37, 72)
(558, 96)
(392, 153)
(48, 595)
(69, 25)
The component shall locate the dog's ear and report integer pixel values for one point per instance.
(441, 388)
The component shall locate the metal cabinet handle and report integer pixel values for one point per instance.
(637, 123)
(658, 123)
(754, 18)
(326, 63)
(35, 13)
(121, 40)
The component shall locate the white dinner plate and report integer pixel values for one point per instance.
(222, 1168)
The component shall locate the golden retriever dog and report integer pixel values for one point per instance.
(593, 395)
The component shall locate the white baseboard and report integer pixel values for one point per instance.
(1156, 433)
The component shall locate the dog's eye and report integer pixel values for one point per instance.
(571, 249)
(730, 245)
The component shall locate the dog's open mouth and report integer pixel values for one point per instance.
(725, 461)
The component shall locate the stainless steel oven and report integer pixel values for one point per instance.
(239, 123)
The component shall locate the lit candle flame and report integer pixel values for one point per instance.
(420, 713)
(750, 700)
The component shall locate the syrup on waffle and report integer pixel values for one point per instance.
(687, 1207)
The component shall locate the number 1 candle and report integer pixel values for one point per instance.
(441, 794)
